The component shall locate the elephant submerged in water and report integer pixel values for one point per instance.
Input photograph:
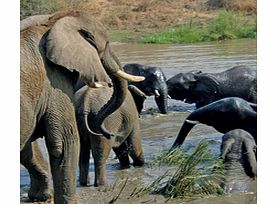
(223, 115)
(124, 122)
(239, 154)
(204, 88)
(53, 55)
(154, 84)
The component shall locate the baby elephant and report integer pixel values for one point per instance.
(238, 150)
(124, 122)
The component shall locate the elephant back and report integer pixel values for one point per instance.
(92, 99)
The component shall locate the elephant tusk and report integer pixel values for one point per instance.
(194, 122)
(95, 85)
(169, 97)
(129, 77)
(99, 84)
(157, 94)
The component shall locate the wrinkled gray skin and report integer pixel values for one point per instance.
(53, 56)
(204, 88)
(153, 85)
(223, 115)
(239, 154)
(124, 122)
(34, 21)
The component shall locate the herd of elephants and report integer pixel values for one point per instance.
(75, 93)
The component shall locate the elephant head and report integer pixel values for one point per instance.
(77, 42)
(193, 87)
(180, 84)
(223, 115)
(239, 154)
(204, 88)
(239, 146)
(153, 85)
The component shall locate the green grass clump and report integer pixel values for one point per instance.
(198, 175)
(226, 25)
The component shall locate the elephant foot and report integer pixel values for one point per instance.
(138, 163)
(124, 166)
(39, 190)
(84, 179)
(84, 183)
(41, 195)
(100, 184)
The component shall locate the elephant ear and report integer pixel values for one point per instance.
(188, 79)
(69, 45)
(226, 146)
(209, 81)
(250, 147)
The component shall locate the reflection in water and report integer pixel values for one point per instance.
(159, 131)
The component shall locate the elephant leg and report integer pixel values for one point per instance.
(62, 141)
(101, 148)
(84, 163)
(32, 159)
(135, 148)
(122, 154)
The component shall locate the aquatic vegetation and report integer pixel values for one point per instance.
(226, 25)
(198, 175)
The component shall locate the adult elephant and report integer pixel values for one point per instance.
(154, 84)
(239, 154)
(52, 56)
(124, 122)
(204, 88)
(223, 115)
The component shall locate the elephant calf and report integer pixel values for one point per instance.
(238, 150)
(124, 122)
(204, 88)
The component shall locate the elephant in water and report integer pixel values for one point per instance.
(204, 88)
(124, 122)
(53, 55)
(224, 115)
(154, 84)
(238, 151)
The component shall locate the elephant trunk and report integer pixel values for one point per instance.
(161, 97)
(186, 128)
(114, 69)
(118, 96)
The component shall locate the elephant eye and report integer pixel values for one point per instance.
(88, 37)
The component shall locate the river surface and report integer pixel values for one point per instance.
(159, 131)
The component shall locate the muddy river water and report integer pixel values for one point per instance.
(159, 131)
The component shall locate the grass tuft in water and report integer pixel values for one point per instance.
(226, 25)
(198, 175)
